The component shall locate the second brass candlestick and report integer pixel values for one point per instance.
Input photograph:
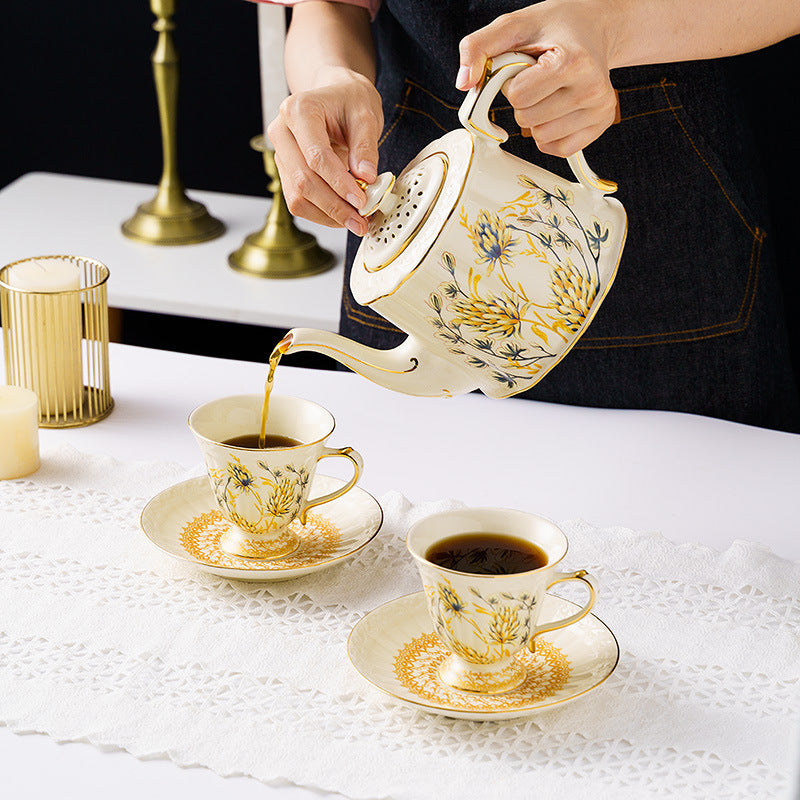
(170, 218)
(279, 249)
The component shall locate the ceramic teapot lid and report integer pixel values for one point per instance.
(406, 215)
(403, 210)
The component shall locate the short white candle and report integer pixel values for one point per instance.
(45, 275)
(19, 432)
(271, 41)
(51, 332)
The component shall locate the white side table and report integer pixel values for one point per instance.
(46, 214)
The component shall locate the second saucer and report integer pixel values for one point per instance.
(395, 649)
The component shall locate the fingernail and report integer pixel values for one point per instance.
(355, 200)
(355, 226)
(368, 170)
(463, 77)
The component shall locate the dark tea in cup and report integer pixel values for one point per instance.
(254, 441)
(486, 553)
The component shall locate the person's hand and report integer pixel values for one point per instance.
(566, 99)
(325, 139)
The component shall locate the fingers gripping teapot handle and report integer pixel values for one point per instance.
(474, 111)
(474, 114)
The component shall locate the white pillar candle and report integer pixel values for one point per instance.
(19, 432)
(49, 327)
(271, 40)
(45, 275)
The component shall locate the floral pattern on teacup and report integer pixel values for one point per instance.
(260, 502)
(480, 629)
(490, 321)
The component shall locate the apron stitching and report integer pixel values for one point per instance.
(707, 165)
(647, 87)
(363, 318)
(590, 343)
(430, 94)
(400, 115)
(735, 325)
(648, 113)
(752, 277)
(677, 340)
(424, 114)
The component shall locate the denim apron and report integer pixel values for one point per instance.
(694, 321)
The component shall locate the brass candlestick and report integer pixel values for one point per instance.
(170, 218)
(279, 249)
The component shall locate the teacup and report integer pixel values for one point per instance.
(261, 492)
(484, 619)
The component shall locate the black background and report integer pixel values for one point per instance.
(78, 98)
(81, 101)
(81, 98)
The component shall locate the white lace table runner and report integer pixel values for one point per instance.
(105, 638)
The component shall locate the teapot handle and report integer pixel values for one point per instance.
(474, 114)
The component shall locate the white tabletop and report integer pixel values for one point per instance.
(694, 479)
(46, 214)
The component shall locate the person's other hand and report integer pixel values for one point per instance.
(566, 99)
(324, 139)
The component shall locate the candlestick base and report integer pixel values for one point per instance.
(279, 249)
(172, 221)
(281, 253)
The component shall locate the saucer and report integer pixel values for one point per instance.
(395, 649)
(184, 522)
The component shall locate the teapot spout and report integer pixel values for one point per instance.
(407, 368)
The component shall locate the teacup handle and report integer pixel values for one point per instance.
(474, 114)
(591, 584)
(358, 468)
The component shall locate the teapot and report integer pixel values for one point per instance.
(493, 266)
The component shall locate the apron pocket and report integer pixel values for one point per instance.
(690, 265)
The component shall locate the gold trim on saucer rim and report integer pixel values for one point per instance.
(394, 648)
(184, 522)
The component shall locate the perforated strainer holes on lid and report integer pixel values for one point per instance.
(415, 193)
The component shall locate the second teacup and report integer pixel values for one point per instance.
(485, 572)
(262, 491)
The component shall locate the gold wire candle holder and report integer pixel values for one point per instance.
(56, 341)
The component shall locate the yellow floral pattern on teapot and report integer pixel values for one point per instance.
(491, 322)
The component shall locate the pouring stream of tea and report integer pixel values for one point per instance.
(274, 358)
